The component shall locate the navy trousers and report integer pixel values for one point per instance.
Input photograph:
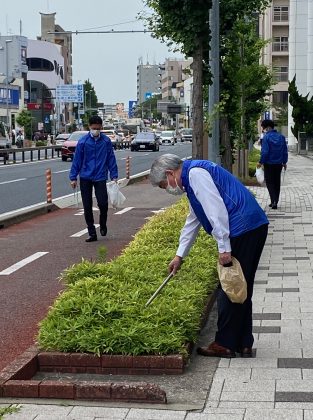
(234, 324)
(272, 174)
(101, 193)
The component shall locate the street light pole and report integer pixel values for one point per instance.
(7, 41)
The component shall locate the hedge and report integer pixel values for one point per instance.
(103, 309)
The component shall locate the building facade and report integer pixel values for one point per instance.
(13, 70)
(301, 52)
(149, 77)
(274, 27)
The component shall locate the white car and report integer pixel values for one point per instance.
(116, 139)
(167, 137)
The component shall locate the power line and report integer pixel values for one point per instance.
(108, 26)
(98, 32)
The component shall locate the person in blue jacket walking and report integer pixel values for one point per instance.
(274, 157)
(93, 159)
(228, 211)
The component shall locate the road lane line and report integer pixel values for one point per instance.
(13, 180)
(22, 263)
(60, 172)
(81, 233)
(124, 210)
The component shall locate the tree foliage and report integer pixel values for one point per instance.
(148, 108)
(24, 119)
(302, 111)
(184, 26)
(90, 101)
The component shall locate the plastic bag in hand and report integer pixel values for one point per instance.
(259, 173)
(115, 196)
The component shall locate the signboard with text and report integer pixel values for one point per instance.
(13, 97)
(70, 93)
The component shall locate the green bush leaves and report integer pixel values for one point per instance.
(103, 308)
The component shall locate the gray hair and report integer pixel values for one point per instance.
(162, 164)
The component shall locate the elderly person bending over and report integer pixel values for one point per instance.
(228, 211)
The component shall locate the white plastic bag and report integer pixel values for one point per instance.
(259, 173)
(115, 195)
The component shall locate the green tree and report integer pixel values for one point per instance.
(302, 110)
(184, 26)
(90, 101)
(244, 82)
(24, 119)
(148, 108)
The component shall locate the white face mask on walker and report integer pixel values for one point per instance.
(174, 190)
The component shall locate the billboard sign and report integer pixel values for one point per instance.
(131, 108)
(13, 97)
(70, 93)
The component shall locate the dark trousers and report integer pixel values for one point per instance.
(100, 187)
(234, 324)
(272, 173)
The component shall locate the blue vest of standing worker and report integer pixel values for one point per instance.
(244, 212)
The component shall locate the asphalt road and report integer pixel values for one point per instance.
(35, 252)
(24, 184)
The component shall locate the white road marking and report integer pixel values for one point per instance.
(22, 263)
(81, 211)
(59, 172)
(124, 210)
(157, 211)
(13, 180)
(82, 232)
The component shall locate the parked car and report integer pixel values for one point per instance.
(145, 141)
(60, 139)
(114, 136)
(185, 134)
(69, 146)
(168, 137)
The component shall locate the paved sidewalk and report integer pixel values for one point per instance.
(278, 383)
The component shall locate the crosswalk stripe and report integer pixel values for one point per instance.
(81, 233)
(124, 210)
(22, 263)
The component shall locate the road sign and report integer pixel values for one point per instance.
(148, 95)
(47, 119)
(70, 93)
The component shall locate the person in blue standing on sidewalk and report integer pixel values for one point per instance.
(228, 211)
(274, 157)
(93, 159)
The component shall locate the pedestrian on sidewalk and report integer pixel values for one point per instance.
(93, 159)
(228, 211)
(274, 157)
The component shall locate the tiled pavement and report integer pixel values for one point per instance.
(278, 382)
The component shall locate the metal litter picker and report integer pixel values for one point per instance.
(155, 294)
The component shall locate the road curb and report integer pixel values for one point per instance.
(19, 216)
(27, 213)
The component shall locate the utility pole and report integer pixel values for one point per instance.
(214, 89)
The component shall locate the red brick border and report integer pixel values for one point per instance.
(16, 378)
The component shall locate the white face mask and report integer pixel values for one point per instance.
(95, 133)
(174, 190)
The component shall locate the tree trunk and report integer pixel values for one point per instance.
(227, 156)
(197, 101)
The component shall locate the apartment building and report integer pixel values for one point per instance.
(174, 73)
(274, 26)
(149, 77)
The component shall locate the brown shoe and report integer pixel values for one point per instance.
(246, 352)
(215, 350)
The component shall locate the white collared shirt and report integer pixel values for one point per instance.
(214, 208)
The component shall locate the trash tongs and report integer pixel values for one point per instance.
(75, 193)
(155, 294)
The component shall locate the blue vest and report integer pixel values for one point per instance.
(244, 212)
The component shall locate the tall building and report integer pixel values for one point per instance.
(274, 26)
(301, 51)
(49, 33)
(172, 75)
(13, 70)
(149, 78)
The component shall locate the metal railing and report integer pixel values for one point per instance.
(31, 154)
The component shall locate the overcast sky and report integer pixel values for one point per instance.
(109, 61)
